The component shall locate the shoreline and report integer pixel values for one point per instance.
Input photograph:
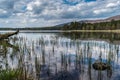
(62, 31)
(109, 31)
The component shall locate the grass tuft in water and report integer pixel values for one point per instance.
(9, 74)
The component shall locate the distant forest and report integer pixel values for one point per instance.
(112, 25)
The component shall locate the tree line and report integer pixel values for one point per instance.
(111, 25)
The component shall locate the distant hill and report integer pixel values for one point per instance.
(96, 21)
(103, 20)
(114, 18)
(111, 23)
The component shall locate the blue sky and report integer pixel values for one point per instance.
(40, 13)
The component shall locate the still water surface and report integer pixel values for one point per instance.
(53, 56)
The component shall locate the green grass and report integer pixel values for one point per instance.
(14, 74)
(9, 74)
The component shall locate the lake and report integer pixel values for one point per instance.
(62, 56)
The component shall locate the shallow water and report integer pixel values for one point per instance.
(54, 56)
